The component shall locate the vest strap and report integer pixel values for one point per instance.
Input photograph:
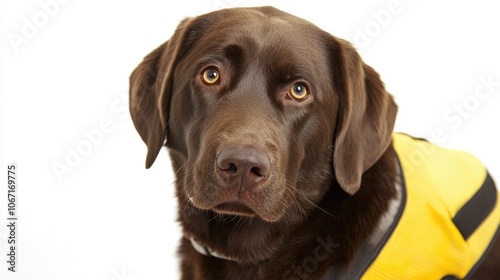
(477, 209)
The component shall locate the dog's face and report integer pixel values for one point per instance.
(256, 123)
(261, 112)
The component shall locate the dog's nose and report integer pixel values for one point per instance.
(247, 166)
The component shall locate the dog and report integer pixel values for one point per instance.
(287, 165)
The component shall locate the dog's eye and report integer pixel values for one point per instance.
(210, 76)
(298, 91)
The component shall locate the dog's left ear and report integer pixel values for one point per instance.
(366, 116)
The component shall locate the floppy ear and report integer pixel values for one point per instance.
(365, 121)
(150, 90)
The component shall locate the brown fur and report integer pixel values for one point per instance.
(330, 154)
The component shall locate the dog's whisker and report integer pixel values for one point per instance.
(306, 199)
(289, 192)
(317, 206)
(211, 219)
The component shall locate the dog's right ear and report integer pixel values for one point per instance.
(150, 91)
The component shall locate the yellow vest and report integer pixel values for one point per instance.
(450, 217)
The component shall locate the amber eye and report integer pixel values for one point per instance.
(210, 76)
(298, 91)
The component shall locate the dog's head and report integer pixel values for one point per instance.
(261, 111)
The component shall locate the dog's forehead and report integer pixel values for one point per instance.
(259, 25)
(267, 33)
(263, 24)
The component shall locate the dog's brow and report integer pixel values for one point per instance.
(233, 50)
(211, 59)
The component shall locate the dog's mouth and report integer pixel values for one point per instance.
(234, 208)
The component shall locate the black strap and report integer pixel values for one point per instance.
(477, 209)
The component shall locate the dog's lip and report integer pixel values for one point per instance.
(234, 208)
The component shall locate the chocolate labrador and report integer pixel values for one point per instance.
(287, 166)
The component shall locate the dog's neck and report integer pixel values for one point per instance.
(333, 229)
(206, 251)
(242, 239)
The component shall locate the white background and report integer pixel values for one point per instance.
(109, 218)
